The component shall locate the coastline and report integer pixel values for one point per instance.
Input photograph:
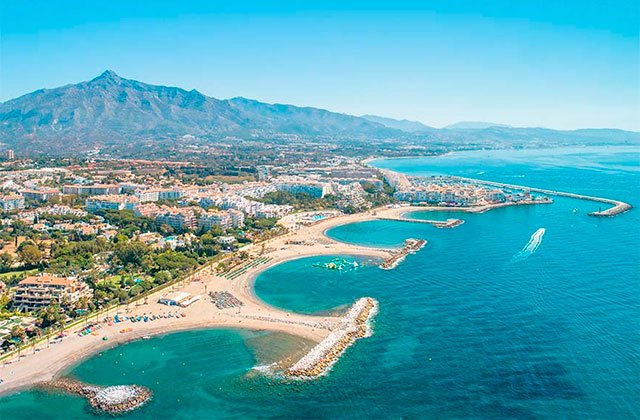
(312, 240)
(254, 315)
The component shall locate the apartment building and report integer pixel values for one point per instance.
(35, 292)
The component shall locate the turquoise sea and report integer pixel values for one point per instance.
(469, 327)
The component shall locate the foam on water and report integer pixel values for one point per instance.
(532, 246)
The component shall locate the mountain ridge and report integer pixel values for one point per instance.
(112, 110)
(109, 106)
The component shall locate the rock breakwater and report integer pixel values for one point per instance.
(355, 325)
(112, 399)
(411, 246)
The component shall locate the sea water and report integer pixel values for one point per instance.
(469, 327)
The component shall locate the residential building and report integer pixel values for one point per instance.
(263, 172)
(95, 189)
(147, 195)
(41, 194)
(112, 202)
(35, 292)
(11, 202)
(215, 218)
(178, 218)
(237, 218)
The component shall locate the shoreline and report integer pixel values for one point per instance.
(255, 314)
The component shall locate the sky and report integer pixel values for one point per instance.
(558, 64)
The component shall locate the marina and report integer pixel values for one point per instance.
(618, 207)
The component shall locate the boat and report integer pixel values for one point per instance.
(146, 337)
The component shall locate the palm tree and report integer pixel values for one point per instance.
(17, 335)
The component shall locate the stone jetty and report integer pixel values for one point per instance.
(112, 399)
(411, 246)
(355, 325)
(447, 224)
(619, 207)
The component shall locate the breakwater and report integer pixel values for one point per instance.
(354, 325)
(449, 223)
(112, 399)
(411, 246)
(618, 206)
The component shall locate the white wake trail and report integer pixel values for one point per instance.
(533, 244)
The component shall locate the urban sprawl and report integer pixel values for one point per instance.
(77, 238)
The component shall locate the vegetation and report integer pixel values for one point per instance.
(299, 201)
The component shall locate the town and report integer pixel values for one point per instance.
(80, 236)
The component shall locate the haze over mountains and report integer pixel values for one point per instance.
(112, 109)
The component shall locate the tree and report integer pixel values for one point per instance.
(163, 277)
(49, 316)
(30, 254)
(6, 260)
(135, 290)
(131, 253)
(17, 335)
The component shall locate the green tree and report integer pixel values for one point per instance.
(30, 254)
(163, 277)
(131, 254)
(6, 260)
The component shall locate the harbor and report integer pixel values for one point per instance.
(618, 207)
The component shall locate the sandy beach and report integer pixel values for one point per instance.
(254, 314)
(300, 242)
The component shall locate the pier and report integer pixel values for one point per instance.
(619, 207)
(449, 223)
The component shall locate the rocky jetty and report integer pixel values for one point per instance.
(355, 324)
(112, 399)
(411, 246)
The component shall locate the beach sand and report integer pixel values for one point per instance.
(48, 361)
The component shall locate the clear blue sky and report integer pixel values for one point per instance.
(560, 64)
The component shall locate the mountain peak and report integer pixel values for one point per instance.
(108, 75)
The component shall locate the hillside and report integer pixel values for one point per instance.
(112, 108)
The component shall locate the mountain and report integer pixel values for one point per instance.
(404, 125)
(110, 108)
(474, 125)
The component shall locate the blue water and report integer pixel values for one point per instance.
(471, 326)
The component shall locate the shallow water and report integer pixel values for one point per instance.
(469, 327)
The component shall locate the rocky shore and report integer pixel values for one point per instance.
(355, 325)
(112, 399)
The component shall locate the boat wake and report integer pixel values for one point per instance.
(532, 246)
